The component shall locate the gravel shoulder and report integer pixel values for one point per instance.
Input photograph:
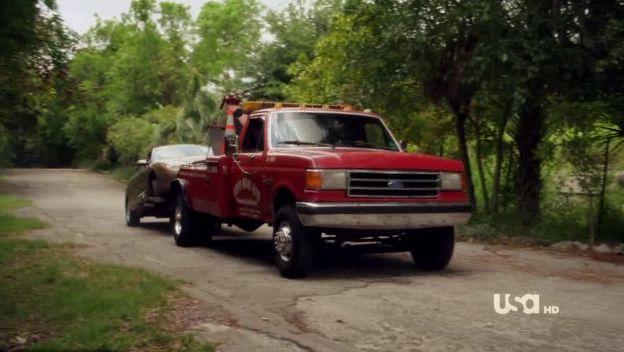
(376, 302)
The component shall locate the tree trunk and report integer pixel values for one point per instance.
(603, 182)
(508, 181)
(500, 146)
(479, 155)
(591, 224)
(461, 115)
(528, 136)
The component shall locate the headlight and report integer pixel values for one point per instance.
(325, 179)
(451, 181)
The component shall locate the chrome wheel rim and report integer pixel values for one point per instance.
(177, 220)
(283, 241)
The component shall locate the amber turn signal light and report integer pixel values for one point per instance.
(313, 180)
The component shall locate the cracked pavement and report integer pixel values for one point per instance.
(375, 302)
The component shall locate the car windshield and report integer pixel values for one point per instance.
(292, 129)
(178, 151)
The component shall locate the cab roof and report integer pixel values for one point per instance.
(267, 106)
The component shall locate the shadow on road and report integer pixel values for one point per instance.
(160, 227)
(332, 262)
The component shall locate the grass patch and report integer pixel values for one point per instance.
(53, 300)
(123, 173)
(8, 202)
(562, 222)
(10, 224)
(507, 228)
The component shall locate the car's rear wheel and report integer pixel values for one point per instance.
(189, 227)
(432, 249)
(132, 218)
(295, 246)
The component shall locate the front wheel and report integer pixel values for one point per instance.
(295, 246)
(432, 249)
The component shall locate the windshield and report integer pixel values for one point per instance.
(178, 151)
(291, 129)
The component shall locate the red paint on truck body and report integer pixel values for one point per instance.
(216, 186)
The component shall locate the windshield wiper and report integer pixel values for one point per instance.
(295, 142)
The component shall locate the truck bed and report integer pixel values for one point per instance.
(207, 186)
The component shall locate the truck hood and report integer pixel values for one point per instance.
(371, 159)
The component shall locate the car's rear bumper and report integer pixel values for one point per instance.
(382, 216)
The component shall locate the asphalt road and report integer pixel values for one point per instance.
(377, 302)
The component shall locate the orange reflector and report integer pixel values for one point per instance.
(313, 180)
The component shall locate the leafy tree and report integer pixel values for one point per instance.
(294, 33)
(229, 35)
(131, 138)
(33, 63)
(558, 46)
(440, 53)
(128, 68)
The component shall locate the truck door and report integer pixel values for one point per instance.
(248, 170)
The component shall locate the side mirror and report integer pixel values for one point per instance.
(403, 145)
(231, 144)
(141, 162)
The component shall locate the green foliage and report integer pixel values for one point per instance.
(10, 224)
(81, 305)
(295, 32)
(129, 68)
(123, 173)
(78, 305)
(131, 138)
(33, 81)
(611, 228)
(8, 202)
(524, 92)
(229, 34)
(5, 146)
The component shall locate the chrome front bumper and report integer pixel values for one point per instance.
(382, 216)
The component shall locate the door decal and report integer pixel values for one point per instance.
(248, 197)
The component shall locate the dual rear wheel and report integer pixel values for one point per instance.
(191, 228)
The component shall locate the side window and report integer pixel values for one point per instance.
(254, 139)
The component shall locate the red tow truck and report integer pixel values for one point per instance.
(322, 173)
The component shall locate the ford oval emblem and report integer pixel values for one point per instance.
(395, 184)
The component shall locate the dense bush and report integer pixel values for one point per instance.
(131, 138)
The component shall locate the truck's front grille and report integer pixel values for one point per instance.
(393, 184)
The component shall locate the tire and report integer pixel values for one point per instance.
(294, 245)
(190, 228)
(432, 250)
(132, 218)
